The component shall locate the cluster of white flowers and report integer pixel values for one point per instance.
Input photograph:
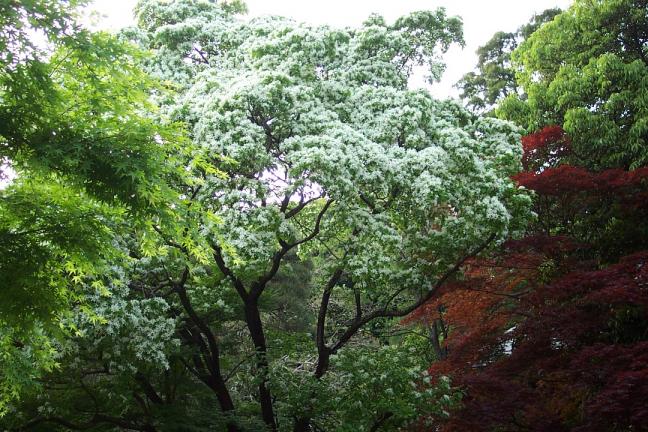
(129, 333)
(417, 181)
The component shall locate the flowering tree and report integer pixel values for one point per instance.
(310, 152)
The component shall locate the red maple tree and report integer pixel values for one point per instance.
(550, 332)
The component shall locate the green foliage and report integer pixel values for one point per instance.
(431, 34)
(494, 78)
(81, 116)
(387, 384)
(73, 126)
(52, 238)
(90, 157)
(368, 386)
(24, 354)
(588, 71)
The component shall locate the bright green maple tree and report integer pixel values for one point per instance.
(77, 131)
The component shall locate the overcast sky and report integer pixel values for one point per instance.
(481, 19)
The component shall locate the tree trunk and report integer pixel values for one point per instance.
(255, 326)
(436, 330)
(211, 354)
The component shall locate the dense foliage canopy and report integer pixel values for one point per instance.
(494, 78)
(587, 71)
(76, 131)
(221, 223)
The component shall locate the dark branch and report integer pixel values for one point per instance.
(220, 262)
(358, 305)
(386, 312)
(204, 59)
(259, 285)
(316, 229)
(293, 211)
(321, 317)
(148, 389)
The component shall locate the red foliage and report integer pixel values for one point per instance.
(574, 201)
(547, 171)
(541, 335)
(577, 346)
(480, 305)
(545, 148)
(622, 374)
(557, 181)
(566, 179)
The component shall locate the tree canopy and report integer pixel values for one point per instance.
(494, 78)
(231, 224)
(586, 70)
(77, 128)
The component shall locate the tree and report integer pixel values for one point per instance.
(330, 160)
(526, 332)
(77, 127)
(586, 70)
(604, 209)
(568, 355)
(75, 107)
(494, 78)
(326, 153)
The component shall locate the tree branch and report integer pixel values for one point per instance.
(258, 286)
(220, 262)
(384, 312)
(316, 229)
(321, 317)
(358, 305)
(293, 211)
(216, 382)
(148, 389)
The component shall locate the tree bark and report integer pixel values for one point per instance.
(211, 355)
(255, 326)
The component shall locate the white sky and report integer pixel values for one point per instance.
(481, 19)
